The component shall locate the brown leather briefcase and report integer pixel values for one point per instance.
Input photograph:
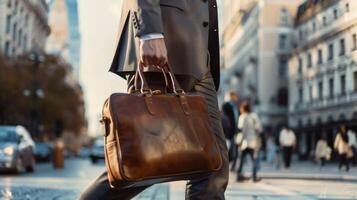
(153, 137)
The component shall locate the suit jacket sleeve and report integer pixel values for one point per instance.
(148, 16)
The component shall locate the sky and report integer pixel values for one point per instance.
(98, 26)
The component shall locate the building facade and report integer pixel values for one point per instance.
(323, 71)
(256, 47)
(23, 26)
(64, 40)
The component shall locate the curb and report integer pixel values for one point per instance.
(320, 177)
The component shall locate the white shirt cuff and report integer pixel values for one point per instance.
(151, 36)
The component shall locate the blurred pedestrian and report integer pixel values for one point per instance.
(271, 149)
(323, 151)
(343, 148)
(287, 142)
(226, 125)
(250, 127)
(231, 112)
(352, 141)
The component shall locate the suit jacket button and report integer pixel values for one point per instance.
(205, 24)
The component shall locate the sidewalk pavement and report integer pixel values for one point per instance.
(300, 171)
(305, 170)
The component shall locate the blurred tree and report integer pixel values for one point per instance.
(60, 95)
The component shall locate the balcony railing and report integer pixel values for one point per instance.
(337, 100)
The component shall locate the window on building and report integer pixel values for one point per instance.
(284, 17)
(9, 3)
(283, 66)
(335, 13)
(301, 95)
(300, 67)
(310, 93)
(309, 60)
(355, 81)
(347, 7)
(13, 51)
(8, 24)
(283, 41)
(354, 42)
(324, 21)
(330, 51)
(313, 26)
(24, 43)
(20, 38)
(283, 97)
(7, 48)
(301, 34)
(319, 56)
(321, 90)
(343, 84)
(26, 19)
(342, 47)
(14, 32)
(16, 5)
(331, 87)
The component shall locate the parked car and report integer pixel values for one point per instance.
(84, 152)
(43, 152)
(97, 152)
(16, 149)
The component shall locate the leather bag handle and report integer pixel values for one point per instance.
(176, 87)
(166, 69)
(174, 84)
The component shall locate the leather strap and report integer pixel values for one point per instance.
(173, 85)
(144, 87)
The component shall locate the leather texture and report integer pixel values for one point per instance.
(154, 136)
(190, 29)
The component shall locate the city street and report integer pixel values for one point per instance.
(47, 184)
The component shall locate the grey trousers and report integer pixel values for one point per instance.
(211, 187)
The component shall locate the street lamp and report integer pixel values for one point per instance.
(35, 92)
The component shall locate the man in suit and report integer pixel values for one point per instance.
(230, 110)
(183, 33)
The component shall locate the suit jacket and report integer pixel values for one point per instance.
(228, 110)
(190, 28)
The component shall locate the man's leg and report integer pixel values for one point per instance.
(234, 161)
(254, 163)
(214, 185)
(100, 190)
(285, 156)
(340, 163)
(290, 153)
(322, 162)
(241, 162)
(231, 150)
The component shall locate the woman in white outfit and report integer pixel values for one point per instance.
(323, 151)
(250, 127)
(343, 148)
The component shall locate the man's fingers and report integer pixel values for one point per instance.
(151, 60)
(153, 53)
(148, 60)
(163, 61)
